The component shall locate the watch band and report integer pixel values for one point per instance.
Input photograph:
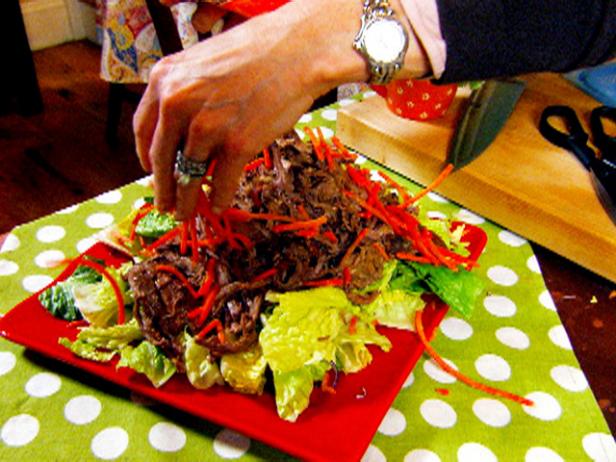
(381, 72)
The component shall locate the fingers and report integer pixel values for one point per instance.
(144, 124)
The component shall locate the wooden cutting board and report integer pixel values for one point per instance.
(521, 182)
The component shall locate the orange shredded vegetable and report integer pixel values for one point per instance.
(458, 375)
(315, 223)
(435, 184)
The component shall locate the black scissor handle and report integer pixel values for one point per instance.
(605, 143)
(573, 140)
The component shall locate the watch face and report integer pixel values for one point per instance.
(384, 40)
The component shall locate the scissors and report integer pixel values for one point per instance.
(602, 168)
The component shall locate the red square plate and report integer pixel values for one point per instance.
(334, 427)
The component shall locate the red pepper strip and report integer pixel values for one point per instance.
(403, 194)
(164, 238)
(302, 212)
(458, 375)
(205, 209)
(114, 285)
(210, 243)
(267, 158)
(368, 207)
(358, 177)
(380, 249)
(330, 236)
(346, 276)
(254, 164)
(245, 240)
(184, 237)
(210, 168)
(325, 385)
(412, 257)
(327, 153)
(353, 245)
(353, 325)
(176, 272)
(434, 250)
(314, 223)
(315, 143)
(307, 233)
(209, 279)
(202, 312)
(439, 179)
(194, 244)
(242, 216)
(265, 275)
(143, 211)
(325, 282)
(214, 324)
(343, 150)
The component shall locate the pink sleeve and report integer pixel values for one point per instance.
(423, 16)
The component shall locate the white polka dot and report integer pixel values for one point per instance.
(49, 258)
(539, 454)
(493, 367)
(230, 445)
(360, 160)
(369, 94)
(7, 362)
(437, 198)
(301, 134)
(82, 410)
(511, 239)
(499, 306)
(436, 373)
(559, 337)
(469, 217)
(84, 244)
(513, 338)
(502, 275)
(373, 454)
(167, 437)
(545, 406)
(99, 220)
(36, 282)
(436, 215)
(375, 175)
(8, 267)
(409, 381)
(146, 181)
(109, 443)
(492, 412)
(346, 102)
(10, 243)
(329, 114)
(327, 132)
(533, 264)
(304, 119)
(393, 423)
(138, 203)
(51, 233)
(43, 385)
(19, 430)
(568, 377)
(474, 452)
(456, 328)
(600, 447)
(546, 300)
(438, 413)
(110, 197)
(421, 455)
(68, 210)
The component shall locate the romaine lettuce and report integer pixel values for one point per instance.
(201, 372)
(155, 224)
(245, 371)
(148, 360)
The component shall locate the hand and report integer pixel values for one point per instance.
(232, 94)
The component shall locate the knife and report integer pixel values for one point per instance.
(487, 110)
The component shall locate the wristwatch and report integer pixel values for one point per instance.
(381, 40)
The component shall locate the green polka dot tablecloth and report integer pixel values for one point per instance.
(514, 341)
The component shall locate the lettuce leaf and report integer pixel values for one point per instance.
(293, 391)
(201, 372)
(396, 308)
(461, 290)
(97, 302)
(155, 224)
(87, 350)
(245, 371)
(148, 360)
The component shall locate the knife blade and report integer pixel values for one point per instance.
(485, 114)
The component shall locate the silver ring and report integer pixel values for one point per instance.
(188, 167)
